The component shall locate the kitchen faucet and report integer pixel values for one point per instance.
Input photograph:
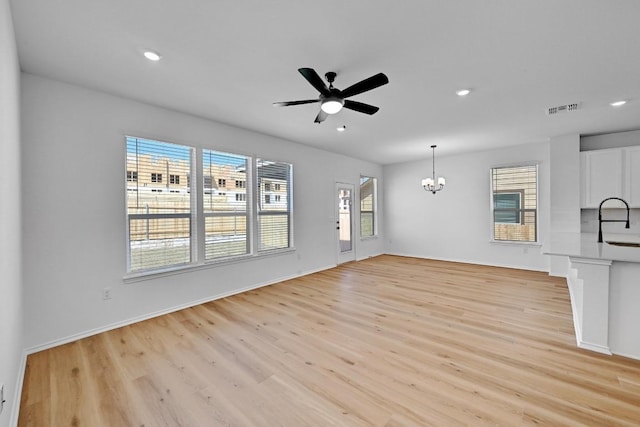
(600, 220)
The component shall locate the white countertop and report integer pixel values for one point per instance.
(585, 245)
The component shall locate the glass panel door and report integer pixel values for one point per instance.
(344, 222)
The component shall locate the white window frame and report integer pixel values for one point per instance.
(260, 203)
(157, 216)
(197, 216)
(492, 222)
(239, 197)
(374, 211)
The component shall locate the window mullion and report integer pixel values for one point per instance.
(198, 221)
(253, 193)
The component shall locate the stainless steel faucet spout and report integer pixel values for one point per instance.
(600, 220)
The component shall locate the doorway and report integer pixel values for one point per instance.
(344, 222)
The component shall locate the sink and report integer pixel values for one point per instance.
(628, 244)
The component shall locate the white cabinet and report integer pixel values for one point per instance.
(632, 178)
(602, 177)
(614, 172)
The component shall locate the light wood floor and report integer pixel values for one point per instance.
(389, 341)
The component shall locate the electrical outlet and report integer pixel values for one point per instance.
(2, 397)
(106, 293)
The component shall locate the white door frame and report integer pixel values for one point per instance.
(345, 250)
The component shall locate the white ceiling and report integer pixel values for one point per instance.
(229, 60)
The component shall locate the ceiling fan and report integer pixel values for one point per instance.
(331, 99)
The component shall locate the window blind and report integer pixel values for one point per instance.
(158, 207)
(273, 204)
(225, 206)
(514, 192)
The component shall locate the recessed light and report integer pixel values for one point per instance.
(152, 56)
(618, 103)
(341, 128)
(463, 92)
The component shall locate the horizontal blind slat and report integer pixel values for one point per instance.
(158, 204)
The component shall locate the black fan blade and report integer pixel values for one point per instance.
(315, 80)
(321, 117)
(360, 107)
(365, 85)
(288, 103)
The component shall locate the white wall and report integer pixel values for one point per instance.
(564, 193)
(74, 210)
(454, 224)
(610, 140)
(10, 248)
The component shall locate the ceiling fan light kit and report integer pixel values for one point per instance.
(332, 105)
(331, 99)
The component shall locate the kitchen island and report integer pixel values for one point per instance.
(604, 285)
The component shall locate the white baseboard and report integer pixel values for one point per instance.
(629, 356)
(369, 256)
(595, 347)
(465, 261)
(15, 411)
(130, 321)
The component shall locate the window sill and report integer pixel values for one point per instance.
(171, 271)
(515, 243)
(374, 237)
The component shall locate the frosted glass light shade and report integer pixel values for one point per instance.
(332, 105)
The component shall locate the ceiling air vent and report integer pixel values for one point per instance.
(562, 109)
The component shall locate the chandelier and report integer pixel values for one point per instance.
(429, 184)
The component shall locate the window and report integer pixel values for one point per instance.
(225, 220)
(159, 224)
(208, 184)
(508, 208)
(514, 195)
(162, 221)
(274, 219)
(276, 187)
(368, 188)
(267, 186)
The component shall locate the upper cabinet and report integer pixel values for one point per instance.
(613, 172)
(632, 178)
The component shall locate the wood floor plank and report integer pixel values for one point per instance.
(389, 341)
